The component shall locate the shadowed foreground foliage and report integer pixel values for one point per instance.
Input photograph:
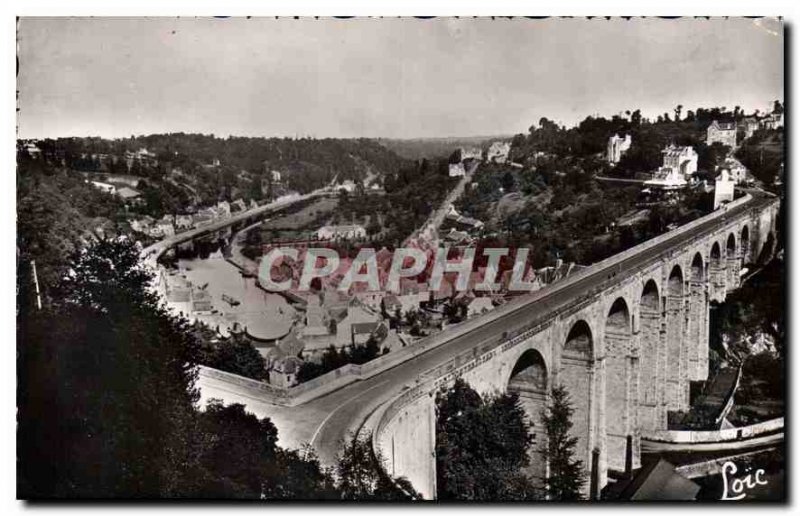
(481, 447)
(107, 402)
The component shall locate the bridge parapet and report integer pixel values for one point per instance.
(714, 436)
(350, 373)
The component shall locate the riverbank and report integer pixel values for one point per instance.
(263, 315)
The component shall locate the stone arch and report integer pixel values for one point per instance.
(716, 255)
(730, 246)
(579, 343)
(676, 399)
(744, 244)
(716, 272)
(620, 418)
(697, 338)
(697, 271)
(619, 317)
(529, 373)
(733, 263)
(652, 357)
(576, 376)
(650, 297)
(529, 380)
(675, 281)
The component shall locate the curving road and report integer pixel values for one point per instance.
(326, 420)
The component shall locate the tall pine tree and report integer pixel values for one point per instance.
(481, 447)
(567, 476)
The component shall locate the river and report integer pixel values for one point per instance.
(265, 316)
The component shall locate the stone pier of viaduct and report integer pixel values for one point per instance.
(626, 355)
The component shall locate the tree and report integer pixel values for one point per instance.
(360, 475)
(566, 477)
(481, 447)
(107, 395)
(507, 182)
(678, 110)
(235, 355)
(241, 459)
(711, 156)
(106, 400)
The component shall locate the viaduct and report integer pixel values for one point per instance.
(625, 337)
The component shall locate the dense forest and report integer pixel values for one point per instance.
(183, 172)
(419, 148)
(308, 163)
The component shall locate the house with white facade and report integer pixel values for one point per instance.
(617, 146)
(498, 152)
(680, 158)
(456, 170)
(723, 189)
(773, 121)
(679, 164)
(470, 153)
(736, 170)
(104, 187)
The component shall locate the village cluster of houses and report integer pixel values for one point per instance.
(679, 164)
(678, 171)
(169, 225)
(726, 132)
(142, 156)
(123, 186)
(329, 318)
(496, 153)
(458, 229)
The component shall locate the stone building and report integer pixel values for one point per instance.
(721, 132)
(750, 125)
(456, 170)
(773, 121)
(674, 174)
(723, 188)
(498, 152)
(617, 146)
(681, 159)
(466, 153)
(736, 170)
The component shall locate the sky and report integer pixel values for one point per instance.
(394, 78)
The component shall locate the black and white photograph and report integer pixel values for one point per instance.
(401, 259)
